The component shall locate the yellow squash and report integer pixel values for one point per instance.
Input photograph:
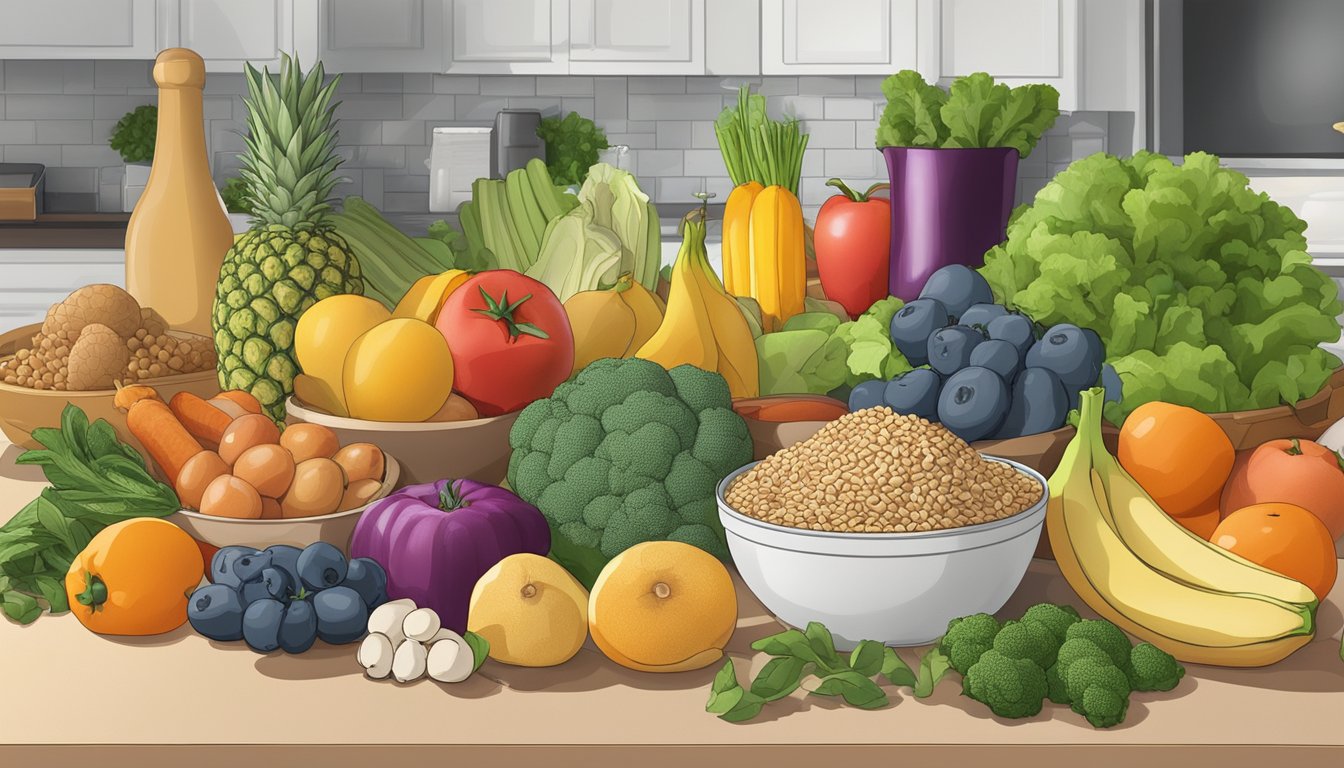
(778, 266)
(737, 238)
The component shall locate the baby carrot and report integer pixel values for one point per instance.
(245, 399)
(204, 421)
(169, 443)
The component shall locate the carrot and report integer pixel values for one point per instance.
(128, 396)
(169, 443)
(204, 421)
(245, 399)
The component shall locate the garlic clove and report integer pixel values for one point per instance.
(450, 658)
(375, 655)
(421, 624)
(387, 618)
(408, 663)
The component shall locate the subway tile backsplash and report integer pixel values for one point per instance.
(61, 113)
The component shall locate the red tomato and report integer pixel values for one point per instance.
(510, 339)
(853, 244)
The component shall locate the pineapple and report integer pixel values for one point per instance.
(289, 259)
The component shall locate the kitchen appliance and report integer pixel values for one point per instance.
(21, 189)
(515, 141)
(459, 155)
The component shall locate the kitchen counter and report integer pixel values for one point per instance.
(72, 697)
(66, 230)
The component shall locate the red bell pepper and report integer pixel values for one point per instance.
(852, 240)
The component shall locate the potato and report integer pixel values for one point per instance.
(195, 475)
(227, 496)
(317, 489)
(456, 408)
(358, 493)
(246, 432)
(361, 461)
(309, 441)
(269, 468)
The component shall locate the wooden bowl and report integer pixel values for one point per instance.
(477, 449)
(335, 528)
(22, 409)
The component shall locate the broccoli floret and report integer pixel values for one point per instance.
(1028, 640)
(1153, 669)
(1009, 687)
(1106, 636)
(1056, 618)
(1098, 690)
(1077, 648)
(1055, 688)
(967, 638)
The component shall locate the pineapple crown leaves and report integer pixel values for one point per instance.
(290, 161)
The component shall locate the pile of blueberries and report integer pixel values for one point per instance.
(989, 374)
(287, 598)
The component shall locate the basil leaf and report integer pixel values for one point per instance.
(726, 679)
(896, 670)
(745, 709)
(857, 690)
(779, 677)
(480, 649)
(54, 522)
(53, 592)
(933, 666)
(75, 429)
(20, 607)
(819, 638)
(723, 702)
(788, 643)
(866, 659)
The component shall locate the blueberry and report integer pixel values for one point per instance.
(912, 325)
(1111, 382)
(958, 287)
(973, 403)
(221, 565)
(982, 315)
(286, 558)
(950, 348)
(261, 625)
(366, 577)
(868, 394)
(216, 611)
(253, 591)
(1039, 404)
(249, 567)
(999, 357)
(1071, 354)
(298, 630)
(914, 393)
(342, 617)
(321, 566)
(1017, 330)
(277, 583)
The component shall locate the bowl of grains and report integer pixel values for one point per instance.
(882, 527)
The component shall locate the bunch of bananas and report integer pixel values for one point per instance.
(703, 325)
(1143, 571)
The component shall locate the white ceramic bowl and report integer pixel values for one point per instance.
(897, 588)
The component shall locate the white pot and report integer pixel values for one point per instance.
(133, 184)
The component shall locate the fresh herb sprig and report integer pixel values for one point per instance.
(811, 653)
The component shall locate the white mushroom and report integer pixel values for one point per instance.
(408, 663)
(421, 624)
(375, 655)
(450, 659)
(386, 619)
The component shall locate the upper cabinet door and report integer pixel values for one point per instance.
(229, 33)
(382, 36)
(78, 29)
(637, 37)
(529, 37)
(1016, 41)
(844, 37)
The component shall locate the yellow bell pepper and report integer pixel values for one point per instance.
(778, 265)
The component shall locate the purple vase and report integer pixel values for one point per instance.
(948, 206)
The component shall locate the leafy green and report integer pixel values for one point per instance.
(619, 205)
(1200, 288)
(975, 112)
(933, 667)
(480, 649)
(96, 481)
(391, 260)
(871, 353)
(135, 133)
(756, 148)
(572, 145)
(234, 195)
(577, 254)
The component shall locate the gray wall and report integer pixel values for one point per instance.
(60, 113)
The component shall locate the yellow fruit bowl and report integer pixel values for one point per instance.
(477, 449)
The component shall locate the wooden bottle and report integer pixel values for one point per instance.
(179, 231)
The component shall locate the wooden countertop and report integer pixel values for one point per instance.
(66, 230)
(72, 697)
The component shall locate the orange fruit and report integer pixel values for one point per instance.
(1180, 456)
(663, 606)
(1202, 524)
(1284, 538)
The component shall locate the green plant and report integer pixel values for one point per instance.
(234, 194)
(572, 144)
(1200, 288)
(134, 134)
(756, 148)
(975, 112)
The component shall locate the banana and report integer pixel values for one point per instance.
(685, 337)
(1194, 624)
(648, 310)
(738, 363)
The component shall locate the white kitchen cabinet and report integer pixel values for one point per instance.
(32, 279)
(1016, 41)
(78, 29)
(842, 37)
(637, 37)
(529, 37)
(382, 36)
(229, 33)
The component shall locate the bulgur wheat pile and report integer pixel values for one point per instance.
(876, 471)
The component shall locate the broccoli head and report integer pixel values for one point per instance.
(1009, 687)
(1028, 640)
(967, 638)
(1106, 636)
(1056, 618)
(628, 452)
(1055, 688)
(1098, 690)
(1153, 669)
